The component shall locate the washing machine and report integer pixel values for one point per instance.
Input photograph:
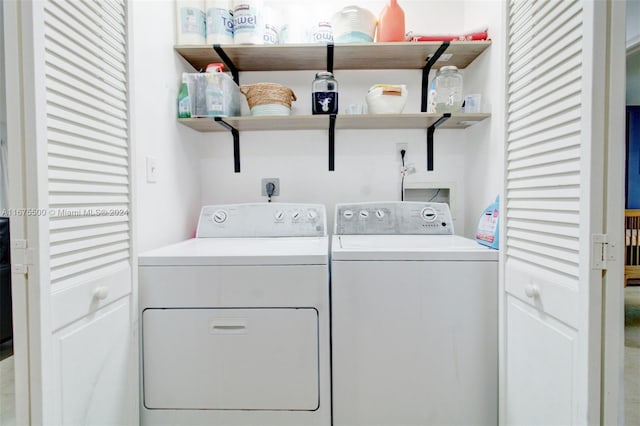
(235, 322)
(414, 318)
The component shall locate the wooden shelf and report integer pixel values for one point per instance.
(350, 56)
(343, 121)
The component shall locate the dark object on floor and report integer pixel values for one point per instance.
(6, 349)
(6, 325)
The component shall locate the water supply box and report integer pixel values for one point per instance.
(213, 95)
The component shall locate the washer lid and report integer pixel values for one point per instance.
(240, 251)
(409, 247)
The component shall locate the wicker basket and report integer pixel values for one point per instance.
(267, 94)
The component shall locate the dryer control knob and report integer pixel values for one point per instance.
(219, 216)
(295, 216)
(279, 216)
(364, 214)
(428, 214)
(312, 215)
(348, 214)
(380, 214)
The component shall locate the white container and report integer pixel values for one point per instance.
(248, 22)
(321, 32)
(386, 98)
(353, 24)
(190, 22)
(271, 25)
(472, 102)
(219, 21)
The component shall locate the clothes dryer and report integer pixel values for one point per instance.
(235, 322)
(414, 319)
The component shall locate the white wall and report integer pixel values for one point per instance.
(367, 162)
(485, 141)
(167, 211)
(197, 168)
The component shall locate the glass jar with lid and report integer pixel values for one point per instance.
(324, 94)
(448, 90)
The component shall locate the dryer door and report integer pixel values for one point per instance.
(231, 359)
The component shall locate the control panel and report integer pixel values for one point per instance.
(262, 220)
(393, 218)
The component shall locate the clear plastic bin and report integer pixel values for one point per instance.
(213, 95)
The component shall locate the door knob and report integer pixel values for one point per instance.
(532, 290)
(101, 293)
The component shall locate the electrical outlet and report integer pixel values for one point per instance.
(274, 181)
(399, 147)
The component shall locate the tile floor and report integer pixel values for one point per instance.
(7, 406)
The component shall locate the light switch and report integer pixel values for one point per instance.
(152, 170)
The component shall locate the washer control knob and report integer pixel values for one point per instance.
(312, 215)
(380, 214)
(219, 216)
(295, 216)
(428, 214)
(348, 214)
(364, 214)
(279, 216)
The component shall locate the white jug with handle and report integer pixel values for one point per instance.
(353, 24)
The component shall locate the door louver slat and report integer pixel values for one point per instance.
(72, 152)
(60, 162)
(76, 176)
(83, 233)
(569, 129)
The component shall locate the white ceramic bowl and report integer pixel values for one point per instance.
(386, 98)
(353, 24)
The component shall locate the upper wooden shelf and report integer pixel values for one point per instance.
(343, 121)
(350, 56)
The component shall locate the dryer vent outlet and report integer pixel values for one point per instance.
(275, 182)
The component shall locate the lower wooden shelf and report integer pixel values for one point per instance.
(428, 121)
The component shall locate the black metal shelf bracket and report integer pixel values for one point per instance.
(425, 73)
(430, 131)
(228, 62)
(330, 57)
(236, 142)
(332, 142)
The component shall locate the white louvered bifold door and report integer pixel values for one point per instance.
(553, 196)
(81, 179)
